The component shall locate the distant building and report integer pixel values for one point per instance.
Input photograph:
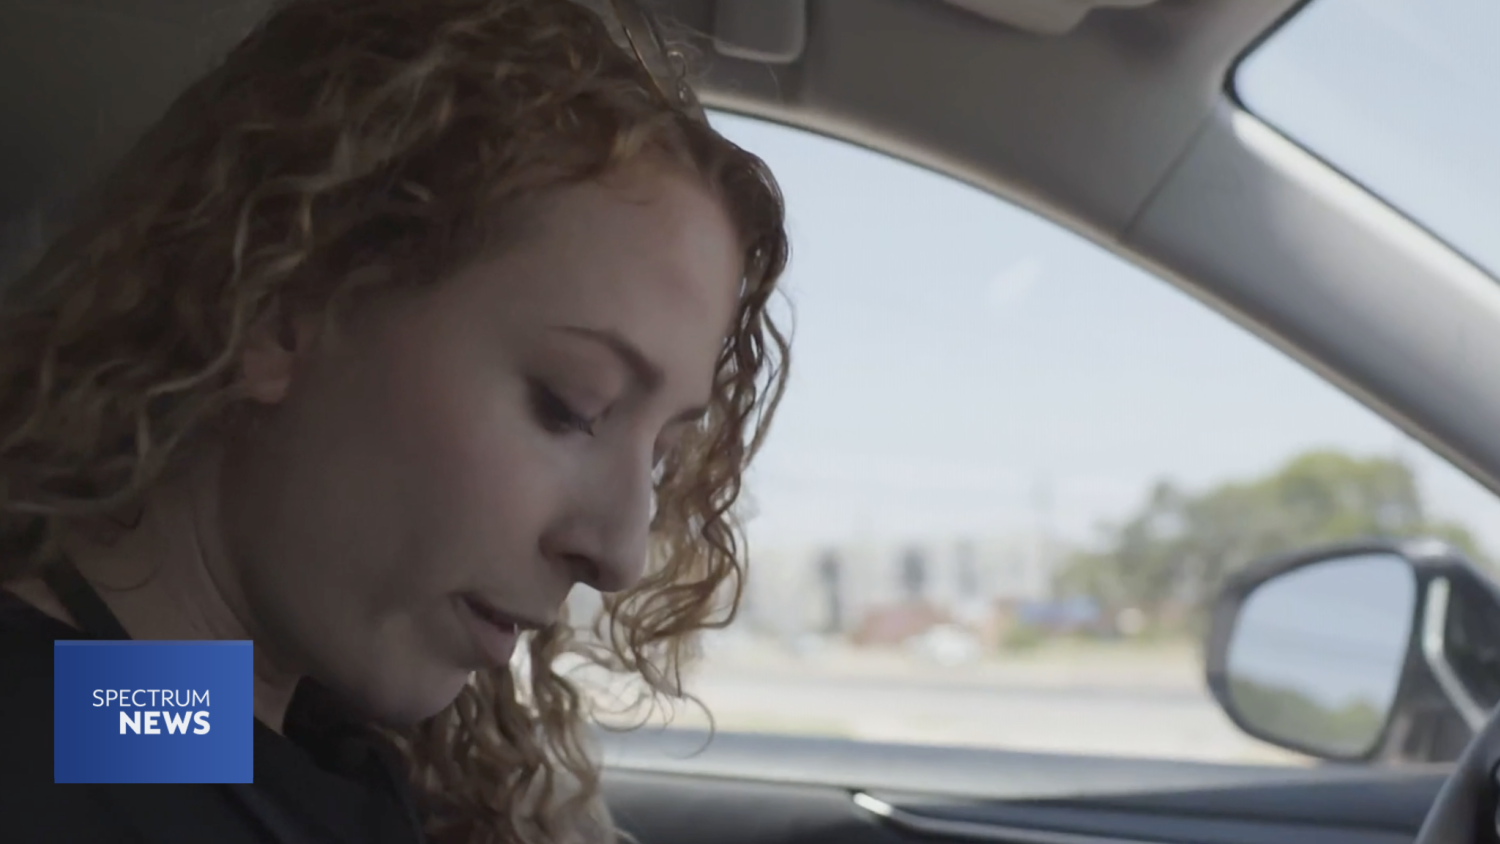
(810, 588)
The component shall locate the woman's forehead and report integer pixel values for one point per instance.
(642, 238)
(650, 259)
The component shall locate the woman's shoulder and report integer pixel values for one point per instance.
(32, 807)
(26, 637)
(21, 619)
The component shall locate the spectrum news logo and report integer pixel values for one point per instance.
(153, 712)
(176, 720)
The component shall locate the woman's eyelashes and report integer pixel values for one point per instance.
(556, 415)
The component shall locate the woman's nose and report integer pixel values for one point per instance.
(608, 546)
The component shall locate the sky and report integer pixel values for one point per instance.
(962, 366)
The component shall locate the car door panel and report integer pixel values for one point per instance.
(1046, 822)
(679, 786)
(671, 808)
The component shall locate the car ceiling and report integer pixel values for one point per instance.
(1082, 125)
(1120, 128)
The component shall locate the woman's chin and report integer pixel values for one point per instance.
(415, 699)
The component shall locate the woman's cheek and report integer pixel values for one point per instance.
(506, 471)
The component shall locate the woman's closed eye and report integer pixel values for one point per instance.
(556, 415)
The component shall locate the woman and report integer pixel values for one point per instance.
(409, 318)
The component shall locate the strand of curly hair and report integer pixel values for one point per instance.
(349, 149)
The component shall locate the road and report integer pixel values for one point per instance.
(1048, 708)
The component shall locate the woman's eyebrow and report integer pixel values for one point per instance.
(642, 369)
(646, 373)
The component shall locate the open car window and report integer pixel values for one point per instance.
(1010, 473)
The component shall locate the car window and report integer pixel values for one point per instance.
(1011, 468)
(1400, 95)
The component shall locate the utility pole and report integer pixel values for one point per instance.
(831, 574)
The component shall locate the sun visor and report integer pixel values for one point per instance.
(1042, 17)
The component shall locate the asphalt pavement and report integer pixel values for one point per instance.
(1158, 709)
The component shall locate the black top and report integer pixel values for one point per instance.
(327, 781)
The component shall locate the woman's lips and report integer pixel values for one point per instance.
(493, 632)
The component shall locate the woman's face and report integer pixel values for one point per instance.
(454, 464)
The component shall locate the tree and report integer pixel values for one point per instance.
(1175, 551)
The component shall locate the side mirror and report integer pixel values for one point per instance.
(1377, 652)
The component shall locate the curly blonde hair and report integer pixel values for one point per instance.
(405, 137)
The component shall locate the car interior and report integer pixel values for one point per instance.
(1115, 118)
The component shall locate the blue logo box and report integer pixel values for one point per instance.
(153, 712)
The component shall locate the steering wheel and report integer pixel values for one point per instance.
(1466, 803)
